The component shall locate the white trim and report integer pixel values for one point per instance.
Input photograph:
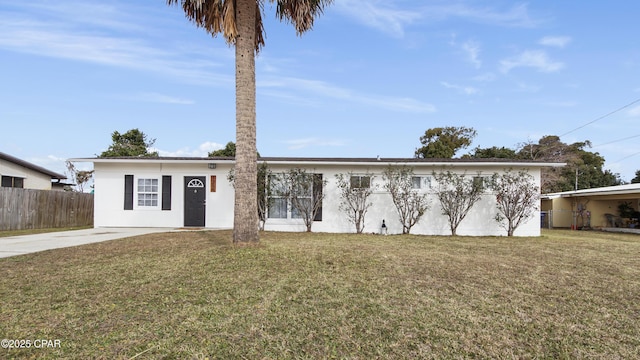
(346, 161)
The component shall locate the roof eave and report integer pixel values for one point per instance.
(332, 161)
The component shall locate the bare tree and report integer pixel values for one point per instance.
(304, 191)
(355, 198)
(457, 194)
(517, 198)
(411, 205)
(79, 177)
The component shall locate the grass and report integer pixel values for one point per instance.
(305, 296)
(7, 233)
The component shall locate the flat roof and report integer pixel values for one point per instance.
(329, 161)
(625, 189)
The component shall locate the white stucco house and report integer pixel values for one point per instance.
(180, 192)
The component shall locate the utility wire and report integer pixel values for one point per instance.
(615, 141)
(601, 117)
(626, 157)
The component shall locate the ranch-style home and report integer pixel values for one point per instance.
(195, 192)
(18, 173)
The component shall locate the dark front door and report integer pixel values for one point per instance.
(194, 200)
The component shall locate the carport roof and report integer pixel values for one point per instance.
(627, 189)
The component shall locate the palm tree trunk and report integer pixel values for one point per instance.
(245, 221)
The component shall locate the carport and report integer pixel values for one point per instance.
(592, 208)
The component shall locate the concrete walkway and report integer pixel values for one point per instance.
(24, 244)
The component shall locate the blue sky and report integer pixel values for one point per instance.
(368, 80)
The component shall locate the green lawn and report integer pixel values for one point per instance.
(568, 294)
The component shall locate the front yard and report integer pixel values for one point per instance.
(568, 294)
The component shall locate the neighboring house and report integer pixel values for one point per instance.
(177, 192)
(18, 173)
(596, 208)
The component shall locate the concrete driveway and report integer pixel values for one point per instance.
(24, 244)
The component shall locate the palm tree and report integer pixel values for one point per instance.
(240, 22)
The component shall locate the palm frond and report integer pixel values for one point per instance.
(300, 13)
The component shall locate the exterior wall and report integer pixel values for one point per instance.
(479, 221)
(109, 195)
(562, 212)
(109, 200)
(562, 209)
(32, 178)
(598, 207)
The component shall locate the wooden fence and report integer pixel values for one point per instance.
(39, 209)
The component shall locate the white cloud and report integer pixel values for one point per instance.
(467, 90)
(384, 17)
(296, 144)
(562, 104)
(528, 88)
(322, 88)
(472, 49)
(379, 15)
(163, 99)
(487, 77)
(67, 36)
(202, 150)
(531, 58)
(517, 16)
(555, 41)
(634, 112)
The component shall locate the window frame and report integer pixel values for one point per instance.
(483, 181)
(359, 179)
(156, 202)
(426, 182)
(16, 182)
(291, 213)
(274, 196)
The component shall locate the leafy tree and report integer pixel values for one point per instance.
(584, 168)
(264, 192)
(443, 142)
(240, 22)
(636, 179)
(517, 198)
(354, 200)
(229, 150)
(493, 152)
(411, 205)
(305, 192)
(457, 194)
(79, 177)
(132, 143)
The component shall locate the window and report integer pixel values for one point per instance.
(482, 182)
(148, 192)
(278, 204)
(421, 182)
(360, 182)
(278, 208)
(12, 182)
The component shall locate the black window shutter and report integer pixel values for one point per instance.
(128, 192)
(317, 194)
(166, 192)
